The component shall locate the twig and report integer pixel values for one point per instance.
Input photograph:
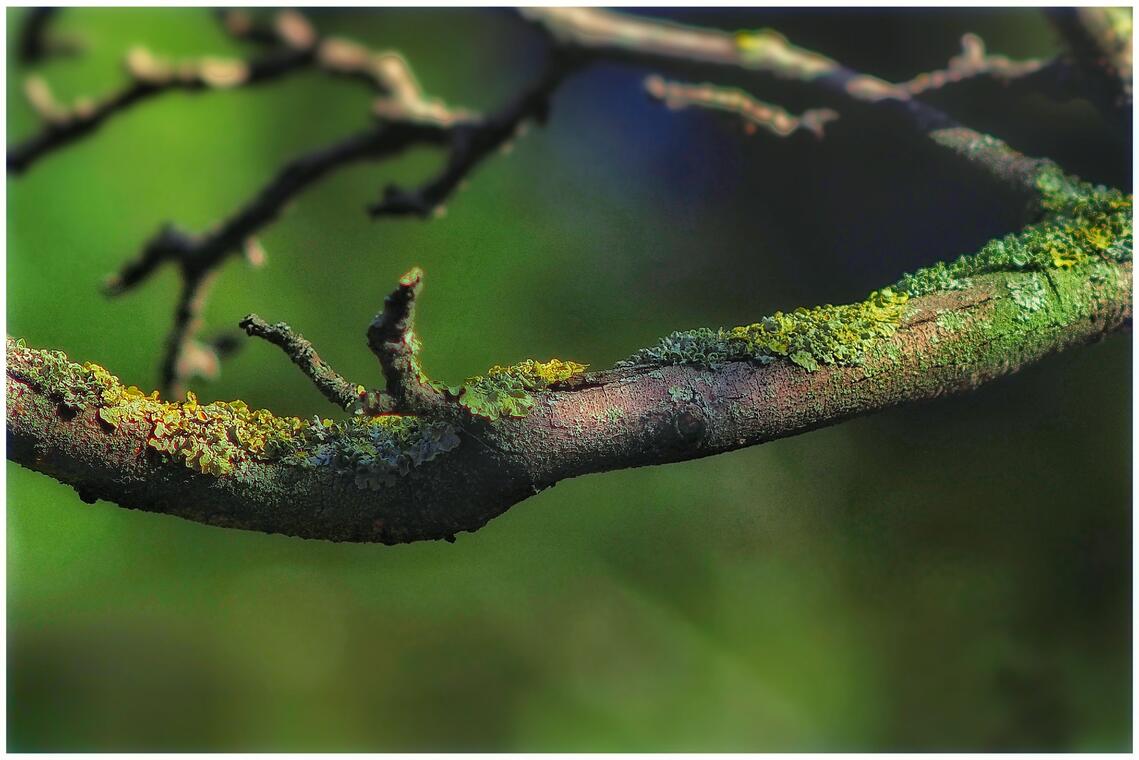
(198, 255)
(473, 140)
(973, 62)
(300, 351)
(598, 33)
(756, 113)
(391, 337)
(298, 48)
(37, 41)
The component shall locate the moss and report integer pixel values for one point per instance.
(809, 338)
(507, 391)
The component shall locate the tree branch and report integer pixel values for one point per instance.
(474, 140)
(756, 113)
(394, 478)
(392, 339)
(197, 256)
(597, 33)
(300, 351)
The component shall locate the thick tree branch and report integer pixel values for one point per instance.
(391, 478)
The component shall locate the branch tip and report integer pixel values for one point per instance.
(391, 338)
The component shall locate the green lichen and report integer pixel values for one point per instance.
(507, 391)
(375, 451)
(809, 338)
(950, 321)
(1082, 223)
(1029, 294)
(222, 437)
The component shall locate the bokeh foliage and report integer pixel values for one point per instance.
(948, 576)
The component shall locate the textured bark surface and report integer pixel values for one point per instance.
(601, 421)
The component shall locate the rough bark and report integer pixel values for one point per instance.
(603, 421)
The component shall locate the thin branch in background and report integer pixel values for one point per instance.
(409, 117)
(198, 255)
(150, 77)
(973, 62)
(38, 40)
(301, 352)
(755, 113)
(474, 140)
(298, 48)
(597, 33)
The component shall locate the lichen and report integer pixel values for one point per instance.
(949, 320)
(375, 451)
(221, 437)
(507, 391)
(1081, 223)
(1029, 294)
(809, 338)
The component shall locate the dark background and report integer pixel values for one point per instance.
(948, 576)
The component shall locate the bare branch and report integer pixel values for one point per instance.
(971, 63)
(38, 41)
(756, 113)
(298, 47)
(472, 141)
(150, 77)
(597, 33)
(300, 351)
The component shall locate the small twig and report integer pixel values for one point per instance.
(198, 255)
(300, 351)
(973, 62)
(187, 322)
(298, 47)
(756, 113)
(392, 339)
(473, 140)
(598, 33)
(151, 77)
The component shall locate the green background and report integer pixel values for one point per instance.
(953, 575)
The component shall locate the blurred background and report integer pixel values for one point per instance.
(949, 576)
